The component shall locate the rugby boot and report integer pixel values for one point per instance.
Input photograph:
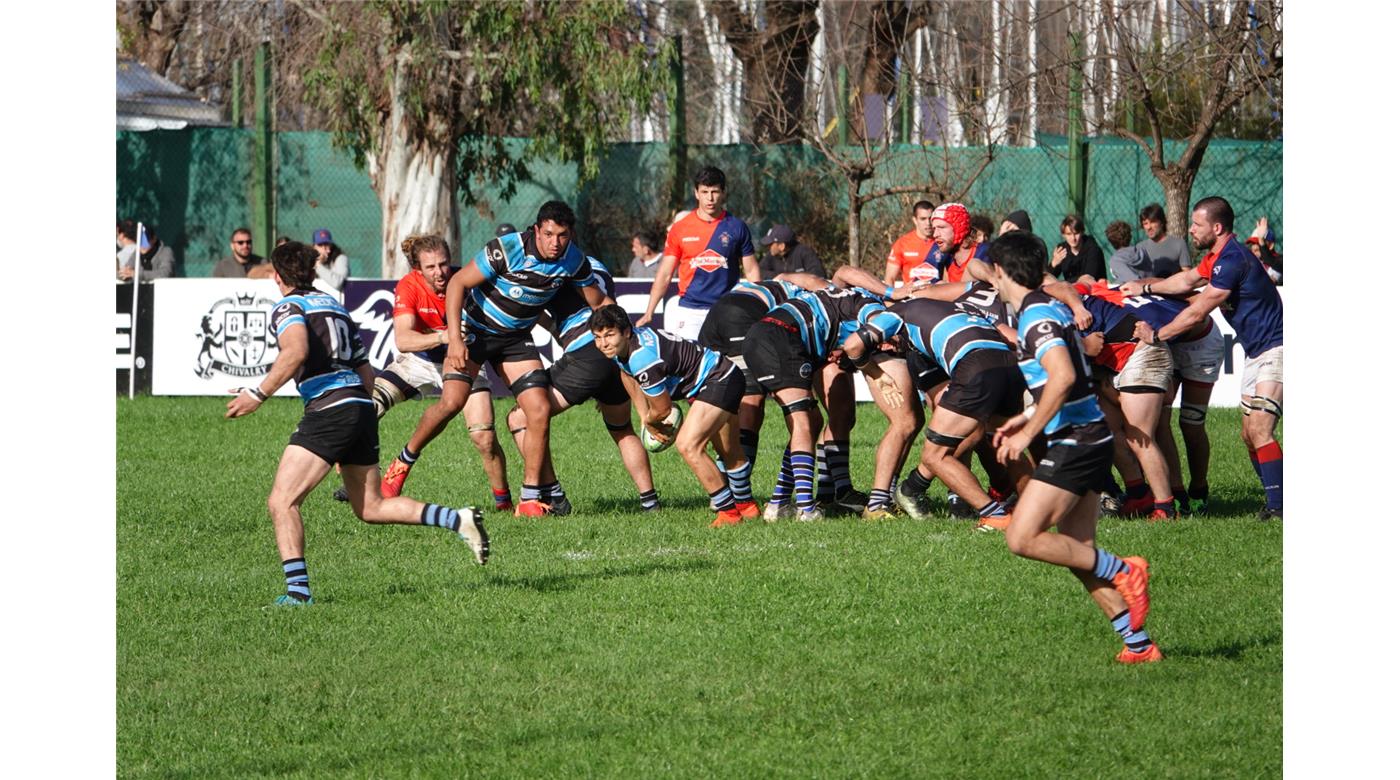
(285, 600)
(851, 500)
(959, 508)
(340, 494)
(772, 513)
(473, 532)
(1160, 515)
(916, 505)
(813, 515)
(1148, 655)
(747, 509)
(392, 484)
(877, 514)
(993, 523)
(1110, 504)
(559, 505)
(531, 508)
(1132, 586)
(1136, 507)
(727, 517)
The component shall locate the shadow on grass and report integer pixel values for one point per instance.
(554, 583)
(1230, 650)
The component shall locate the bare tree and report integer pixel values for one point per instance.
(774, 54)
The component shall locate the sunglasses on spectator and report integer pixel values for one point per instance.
(243, 242)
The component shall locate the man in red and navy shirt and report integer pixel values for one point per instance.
(712, 249)
(1234, 280)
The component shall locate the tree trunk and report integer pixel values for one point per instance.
(416, 182)
(1176, 181)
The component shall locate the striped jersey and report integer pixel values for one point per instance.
(983, 297)
(825, 318)
(709, 256)
(1045, 324)
(518, 283)
(327, 377)
(663, 362)
(771, 291)
(945, 331)
(571, 312)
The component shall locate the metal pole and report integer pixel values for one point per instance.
(1076, 127)
(262, 152)
(135, 308)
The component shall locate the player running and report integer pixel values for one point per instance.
(319, 346)
(668, 368)
(1063, 490)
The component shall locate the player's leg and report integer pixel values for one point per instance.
(530, 384)
(904, 419)
(702, 423)
(727, 392)
(402, 380)
(617, 418)
(1141, 410)
(298, 472)
(362, 484)
(1081, 524)
(480, 418)
(435, 419)
(1263, 408)
(1166, 442)
(837, 393)
(947, 439)
(1191, 419)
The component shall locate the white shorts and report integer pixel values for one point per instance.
(1200, 360)
(1268, 367)
(684, 321)
(415, 371)
(1149, 366)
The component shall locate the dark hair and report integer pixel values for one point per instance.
(295, 262)
(1119, 233)
(1022, 257)
(556, 211)
(648, 238)
(414, 246)
(1218, 211)
(236, 231)
(610, 317)
(709, 176)
(283, 240)
(1073, 222)
(983, 223)
(922, 205)
(1152, 212)
(127, 227)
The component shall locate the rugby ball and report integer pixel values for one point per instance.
(651, 443)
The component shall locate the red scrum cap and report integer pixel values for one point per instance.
(954, 214)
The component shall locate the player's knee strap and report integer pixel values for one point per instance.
(622, 426)
(1263, 403)
(386, 393)
(800, 405)
(943, 439)
(481, 427)
(1193, 414)
(535, 378)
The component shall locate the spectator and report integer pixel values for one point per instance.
(157, 259)
(646, 255)
(126, 246)
(242, 263)
(1016, 220)
(1078, 255)
(1261, 243)
(981, 228)
(786, 255)
(332, 266)
(1165, 251)
(1128, 260)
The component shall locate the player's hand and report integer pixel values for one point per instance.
(643, 320)
(1083, 319)
(1261, 228)
(889, 390)
(662, 432)
(1144, 332)
(456, 359)
(125, 272)
(1131, 288)
(836, 355)
(242, 403)
(1059, 256)
(1008, 440)
(1092, 344)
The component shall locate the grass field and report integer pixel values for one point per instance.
(613, 643)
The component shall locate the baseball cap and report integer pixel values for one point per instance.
(505, 228)
(778, 233)
(321, 236)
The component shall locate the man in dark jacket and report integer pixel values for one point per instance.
(785, 255)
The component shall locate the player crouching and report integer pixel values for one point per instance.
(667, 368)
(320, 347)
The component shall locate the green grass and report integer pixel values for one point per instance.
(616, 643)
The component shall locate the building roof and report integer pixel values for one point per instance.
(148, 101)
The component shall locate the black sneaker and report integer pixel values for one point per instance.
(916, 505)
(559, 505)
(852, 500)
(340, 494)
(1110, 504)
(959, 508)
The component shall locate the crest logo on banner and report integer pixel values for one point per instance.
(374, 317)
(236, 337)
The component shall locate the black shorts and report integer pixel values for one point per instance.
(726, 329)
(498, 348)
(724, 388)
(1078, 468)
(776, 358)
(925, 370)
(347, 433)
(987, 383)
(585, 373)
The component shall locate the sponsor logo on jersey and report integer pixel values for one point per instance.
(688, 239)
(235, 336)
(708, 261)
(516, 292)
(923, 273)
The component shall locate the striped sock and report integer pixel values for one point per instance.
(739, 483)
(782, 490)
(552, 490)
(992, 509)
(878, 498)
(721, 500)
(502, 498)
(826, 488)
(1168, 506)
(408, 456)
(529, 493)
(748, 442)
(838, 459)
(802, 466)
(1137, 641)
(298, 581)
(1254, 461)
(440, 516)
(1106, 564)
(650, 500)
(1271, 474)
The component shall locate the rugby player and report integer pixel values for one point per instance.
(713, 249)
(1063, 490)
(913, 256)
(667, 369)
(956, 242)
(497, 298)
(1235, 281)
(319, 346)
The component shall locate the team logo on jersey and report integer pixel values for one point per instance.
(555, 282)
(708, 261)
(724, 239)
(1045, 328)
(235, 336)
(805, 370)
(530, 261)
(516, 292)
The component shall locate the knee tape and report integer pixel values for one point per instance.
(536, 378)
(624, 426)
(1262, 403)
(800, 405)
(943, 439)
(1193, 414)
(513, 431)
(385, 395)
(481, 427)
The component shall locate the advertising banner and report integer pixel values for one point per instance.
(133, 337)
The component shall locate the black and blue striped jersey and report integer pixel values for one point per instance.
(661, 361)
(1045, 323)
(983, 297)
(825, 318)
(946, 331)
(327, 377)
(519, 284)
(571, 312)
(772, 292)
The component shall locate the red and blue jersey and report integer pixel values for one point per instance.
(709, 256)
(948, 268)
(917, 258)
(1253, 308)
